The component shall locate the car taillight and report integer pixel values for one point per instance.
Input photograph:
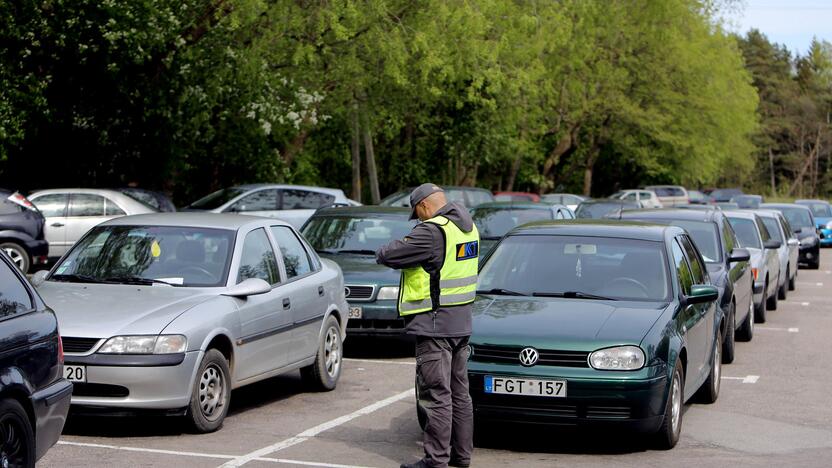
(754, 272)
(19, 199)
(60, 350)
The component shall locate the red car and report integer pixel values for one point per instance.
(516, 196)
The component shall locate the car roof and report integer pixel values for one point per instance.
(745, 214)
(768, 213)
(193, 219)
(810, 200)
(514, 204)
(599, 228)
(115, 195)
(365, 210)
(784, 205)
(331, 191)
(609, 201)
(672, 213)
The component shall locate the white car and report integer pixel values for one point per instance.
(70, 213)
(670, 195)
(291, 203)
(780, 230)
(569, 200)
(645, 198)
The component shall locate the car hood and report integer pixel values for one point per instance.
(806, 233)
(105, 310)
(363, 269)
(558, 323)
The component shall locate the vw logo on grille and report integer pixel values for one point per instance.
(347, 291)
(529, 357)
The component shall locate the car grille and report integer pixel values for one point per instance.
(78, 345)
(358, 292)
(99, 390)
(511, 355)
(608, 412)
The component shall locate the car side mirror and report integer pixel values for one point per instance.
(249, 287)
(739, 255)
(39, 277)
(772, 244)
(793, 242)
(700, 294)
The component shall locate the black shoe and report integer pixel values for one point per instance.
(459, 464)
(418, 464)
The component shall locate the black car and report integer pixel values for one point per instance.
(606, 208)
(21, 231)
(156, 200)
(727, 265)
(34, 396)
(803, 222)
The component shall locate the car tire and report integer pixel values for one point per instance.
(18, 255)
(668, 434)
(814, 266)
(19, 450)
(771, 302)
(783, 291)
(211, 395)
(709, 391)
(323, 374)
(746, 331)
(729, 335)
(792, 281)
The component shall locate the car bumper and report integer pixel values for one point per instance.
(825, 236)
(38, 251)
(809, 254)
(134, 382)
(379, 318)
(51, 405)
(636, 404)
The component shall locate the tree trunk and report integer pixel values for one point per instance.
(372, 174)
(587, 180)
(771, 168)
(356, 156)
(512, 174)
(564, 144)
(799, 179)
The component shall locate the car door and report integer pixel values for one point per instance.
(17, 325)
(739, 273)
(772, 255)
(791, 240)
(53, 207)
(306, 293)
(263, 202)
(298, 205)
(265, 319)
(691, 319)
(86, 210)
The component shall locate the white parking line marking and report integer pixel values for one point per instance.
(382, 361)
(305, 463)
(808, 283)
(804, 304)
(747, 379)
(312, 432)
(790, 330)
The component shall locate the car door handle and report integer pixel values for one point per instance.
(57, 224)
(321, 291)
(287, 303)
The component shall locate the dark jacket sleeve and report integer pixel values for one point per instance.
(418, 248)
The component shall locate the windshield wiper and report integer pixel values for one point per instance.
(76, 278)
(357, 251)
(137, 280)
(572, 295)
(501, 292)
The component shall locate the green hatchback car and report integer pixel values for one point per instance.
(595, 323)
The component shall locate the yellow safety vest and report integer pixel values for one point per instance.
(457, 277)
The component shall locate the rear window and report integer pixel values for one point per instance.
(7, 207)
(704, 234)
(820, 210)
(669, 192)
(746, 231)
(496, 222)
(478, 197)
(217, 199)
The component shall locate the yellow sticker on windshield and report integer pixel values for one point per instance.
(155, 250)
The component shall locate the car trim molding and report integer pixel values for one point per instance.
(127, 360)
(274, 331)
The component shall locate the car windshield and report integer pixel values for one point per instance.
(773, 228)
(819, 210)
(180, 256)
(333, 234)
(747, 201)
(704, 234)
(669, 191)
(478, 197)
(217, 199)
(505, 197)
(496, 222)
(797, 217)
(596, 210)
(583, 267)
(143, 197)
(747, 234)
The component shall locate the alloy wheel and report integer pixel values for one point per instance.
(17, 259)
(212, 390)
(717, 364)
(12, 445)
(675, 403)
(332, 352)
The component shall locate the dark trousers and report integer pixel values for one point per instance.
(444, 400)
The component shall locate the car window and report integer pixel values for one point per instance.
(820, 210)
(746, 232)
(786, 226)
(696, 267)
(646, 195)
(7, 206)
(85, 204)
(14, 297)
(597, 210)
(261, 200)
(456, 196)
(478, 197)
(773, 228)
(764, 234)
(630, 196)
(798, 217)
(333, 234)
(295, 257)
(397, 199)
(682, 268)
(111, 209)
(564, 214)
(305, 199)
(496, 222)
(52, 205)
(217, 199)
(258, 260)
(729, 241)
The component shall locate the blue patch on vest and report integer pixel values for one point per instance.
(467, 250)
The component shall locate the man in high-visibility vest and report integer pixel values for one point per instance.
(439, 260)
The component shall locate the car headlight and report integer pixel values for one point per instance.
(829, 225)
(808, 242)
(388, 292)
(145, 344)
(618, 358)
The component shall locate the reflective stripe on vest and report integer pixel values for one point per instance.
(457, 277)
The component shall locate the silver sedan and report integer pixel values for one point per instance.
(172, 311)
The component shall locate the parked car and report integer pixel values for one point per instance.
(822, 212)
(780, 231)
(291, 203)
(595, 323)
(803, 223)
(697, 198)
(494, 220)
(765, 261)
(350, 236)
(727, 265)
(34, 396)
(468, 197)
(70, 213)
(516, 197)
(747, 202)
(157, 200)
(21, 231)
(670, 195)
(189, 306)
(645, 198)
(723, 195)
(603, 208)
(568, 199)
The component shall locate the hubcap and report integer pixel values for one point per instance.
(675, 403)
(717, 365)
(332, 352)
(751, 316)
(212, 392)
(15, 256)
(12, 446)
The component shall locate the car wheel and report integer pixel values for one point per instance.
(730, 330)
(709, 391)
(18, 255)
(792, 281)
(783, 292)
(814, 266)
(323, 374)
(746, 330)
(760, 310)
(671, 428)
(211, 395)
(771, 302)
(17, 439)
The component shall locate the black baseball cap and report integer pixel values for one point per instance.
(420, 193)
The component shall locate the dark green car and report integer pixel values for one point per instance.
(595, 323)
(494, 220)
(350, 236)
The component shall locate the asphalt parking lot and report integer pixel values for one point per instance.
(772, 410)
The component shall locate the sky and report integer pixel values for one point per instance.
(789, 22)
